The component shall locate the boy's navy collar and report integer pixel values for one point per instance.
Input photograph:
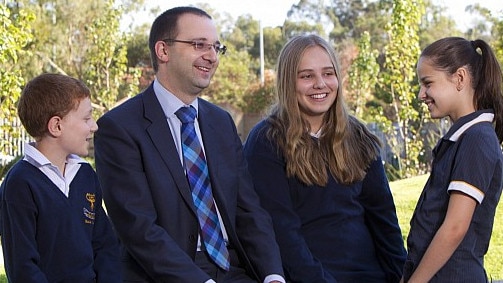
(465, 122)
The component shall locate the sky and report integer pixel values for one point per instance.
(273, 12)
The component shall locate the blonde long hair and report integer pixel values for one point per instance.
(345, 148)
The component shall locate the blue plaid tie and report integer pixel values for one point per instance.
(197, 174)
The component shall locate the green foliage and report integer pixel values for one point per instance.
(344, 15)
(402, 53)
(273, 42)
(15, 30)
(260, 97)
(236, 86)
(479, 28)
(373, 19)
(291, 29)
(243, 33)
(132, 5)
(498, 43)
(434, 25)
(90, 46)
(495, 38)
(245, 36)
(309, 10)
(231, 80)
(87, 45)
(138, 54)
(308, 16)
(362, 76)
(105, 68)
(60, 40)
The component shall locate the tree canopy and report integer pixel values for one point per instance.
(378, 43)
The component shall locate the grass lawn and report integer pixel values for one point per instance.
(406, 193)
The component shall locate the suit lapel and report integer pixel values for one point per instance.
(210, 129)
(162, 139)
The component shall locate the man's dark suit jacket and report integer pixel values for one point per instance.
(148, 198)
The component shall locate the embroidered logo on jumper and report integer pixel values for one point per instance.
(91, 198)
(89, 214)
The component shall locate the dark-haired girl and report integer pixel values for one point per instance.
(452, 224)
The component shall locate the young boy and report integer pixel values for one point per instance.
(53, 225)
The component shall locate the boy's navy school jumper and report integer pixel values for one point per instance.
(48, 237)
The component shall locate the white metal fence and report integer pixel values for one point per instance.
(12, 142)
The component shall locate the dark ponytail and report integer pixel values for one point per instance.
(488, 91)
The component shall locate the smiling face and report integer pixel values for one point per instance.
(188, 71)
(77, 128)
(316, 85)
(445, 95)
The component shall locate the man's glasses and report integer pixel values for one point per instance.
(201, 46)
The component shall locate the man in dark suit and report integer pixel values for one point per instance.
(140, 162)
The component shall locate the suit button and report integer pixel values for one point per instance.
(192, 238)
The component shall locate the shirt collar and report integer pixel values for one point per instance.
(169, 102)
(37, 159)
(465, 122)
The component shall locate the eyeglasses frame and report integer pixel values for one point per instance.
(217, 46)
